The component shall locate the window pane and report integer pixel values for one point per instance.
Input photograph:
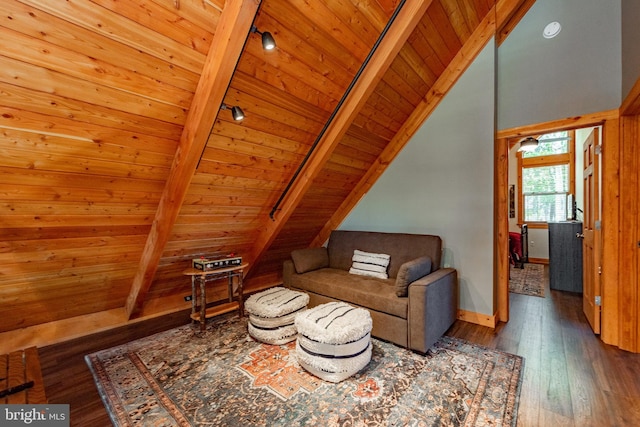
(545, 208)
(545, 191)
(557, 143)
(545, 179)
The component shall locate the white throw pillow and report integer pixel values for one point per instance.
(370, 264)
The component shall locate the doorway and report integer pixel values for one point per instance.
(505, 140)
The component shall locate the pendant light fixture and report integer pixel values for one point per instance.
(528, 144)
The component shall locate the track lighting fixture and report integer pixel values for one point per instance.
(268, 42)
(236, 111)
(528, 144)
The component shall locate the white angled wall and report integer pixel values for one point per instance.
(442, 183)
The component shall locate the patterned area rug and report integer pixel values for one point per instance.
(528, 280)
(222, 377)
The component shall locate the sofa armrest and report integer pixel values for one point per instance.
(433, 306)
(288, 271)
(310, 259)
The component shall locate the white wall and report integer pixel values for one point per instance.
(578, 72)
(442, 183)
(630, 45)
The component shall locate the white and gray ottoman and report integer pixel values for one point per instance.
(272, 313)
(334, 340)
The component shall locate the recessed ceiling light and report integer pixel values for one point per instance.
(551, 30)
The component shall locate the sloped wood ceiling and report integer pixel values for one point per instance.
(95, 98)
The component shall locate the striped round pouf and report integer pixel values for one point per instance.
(272, 313)
(334, 340)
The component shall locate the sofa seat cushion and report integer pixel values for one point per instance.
(375, 294)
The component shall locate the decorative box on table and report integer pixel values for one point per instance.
(205, 264)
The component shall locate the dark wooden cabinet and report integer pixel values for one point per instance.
(565, 256)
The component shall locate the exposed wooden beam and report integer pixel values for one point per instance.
(226, 47)
(512, 18)
(398, 33)
(471, 49)
(631, 104)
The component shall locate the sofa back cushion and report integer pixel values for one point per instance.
(402, 247)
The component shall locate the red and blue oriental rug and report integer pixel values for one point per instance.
(222, 377)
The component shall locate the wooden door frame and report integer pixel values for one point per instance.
(609, 122)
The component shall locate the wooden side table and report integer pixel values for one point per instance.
(199, 310)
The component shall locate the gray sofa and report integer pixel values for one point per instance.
(413, 307)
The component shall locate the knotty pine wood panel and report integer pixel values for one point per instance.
(55, 58)
(17, 221)
(110, 25)
(32, 303)
(288, 117)
(278, 138)
(25, 193)
(410, 62)
(227, 169)
(83, 112)
(41, 79)
(33, 233)
(35, 250)
(272, 132)
(404, 83)
(166, 22)
(258, 149)
(291, 104)
(63, 186)
(204, 14)
(60, 32)
(71, 164)
(293, 36)
(81, 148)
(326, 20)
(46, 124)
(458, 18)
(274, 76)
(290, 64)
(32, 288)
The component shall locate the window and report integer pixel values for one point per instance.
(546, 178)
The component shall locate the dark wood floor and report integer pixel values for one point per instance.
(570, 378)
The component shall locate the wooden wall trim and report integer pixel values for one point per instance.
(512, 20)
(397, 35)
(610, 182)
(558, 125)
(501, 227)
(226, 47)
(631, 104)
(629, 252)
(478, 318)
(74, 327)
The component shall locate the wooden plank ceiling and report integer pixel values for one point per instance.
(117, 166)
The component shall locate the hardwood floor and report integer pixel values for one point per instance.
(570, 377)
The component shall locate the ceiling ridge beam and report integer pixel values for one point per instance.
(503, 11)
(405, 22)
(225, 50)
